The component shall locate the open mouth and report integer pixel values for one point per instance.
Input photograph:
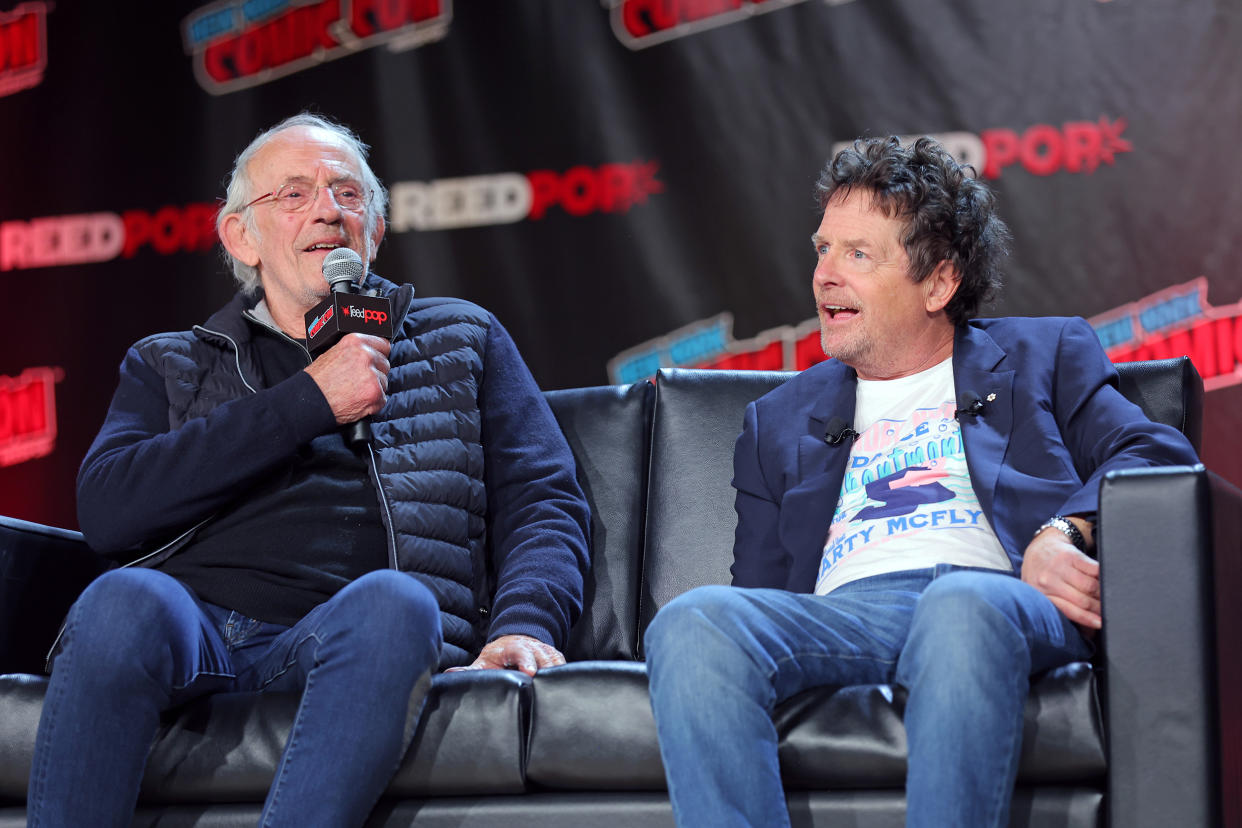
(839, 311)
(323, 246)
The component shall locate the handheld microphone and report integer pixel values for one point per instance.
(968, 403)
(347, 312)
(837, 430)
(342, 268)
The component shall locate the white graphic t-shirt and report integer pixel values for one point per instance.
(906, 500)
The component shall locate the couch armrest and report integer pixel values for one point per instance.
(1159, 667)
(42, 572)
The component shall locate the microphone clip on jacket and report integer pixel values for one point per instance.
(837, 430)
(968, 403)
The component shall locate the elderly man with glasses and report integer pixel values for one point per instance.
(262, 551)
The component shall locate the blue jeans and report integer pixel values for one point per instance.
(137, 643)
(963, 642)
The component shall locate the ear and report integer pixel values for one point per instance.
(940, 287)
(236, 237)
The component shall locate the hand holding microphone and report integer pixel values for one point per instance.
(353, 376)
(349, 334)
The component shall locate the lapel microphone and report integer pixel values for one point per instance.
(837, 430)
(968, 403)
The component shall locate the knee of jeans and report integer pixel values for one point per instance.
(962, 613)
(386, 601)
(122, 611)
(676, 631)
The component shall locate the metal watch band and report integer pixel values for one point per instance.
(1070, 530)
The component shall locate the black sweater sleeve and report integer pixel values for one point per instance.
(142, 482)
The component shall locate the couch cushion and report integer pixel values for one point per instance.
(853, 737)
(592, 729)
(225, 748)
(607, 429)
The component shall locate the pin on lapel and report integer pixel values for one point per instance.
(991, 397)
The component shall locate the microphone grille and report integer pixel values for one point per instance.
(342, 264)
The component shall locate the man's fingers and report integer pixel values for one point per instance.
(1077, 614)
(1087, 564)
(521, 658)
(1082, 582)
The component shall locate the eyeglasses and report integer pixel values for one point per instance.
(298, 195)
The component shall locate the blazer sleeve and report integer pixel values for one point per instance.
(1103, 430)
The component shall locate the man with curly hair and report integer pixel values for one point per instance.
(944, 548)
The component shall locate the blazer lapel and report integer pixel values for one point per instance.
(807, 508)
(978, 368)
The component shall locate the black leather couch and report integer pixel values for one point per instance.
(1133, 739)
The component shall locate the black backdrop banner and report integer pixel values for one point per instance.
(625, 183)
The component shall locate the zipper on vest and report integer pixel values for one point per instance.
(385, 513)
(301, 346)
(373, 466)
(236, 354)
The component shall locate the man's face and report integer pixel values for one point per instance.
(872, 316)
(288, 248)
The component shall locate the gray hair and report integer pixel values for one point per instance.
(238, 192)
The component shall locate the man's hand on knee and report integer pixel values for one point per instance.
(516, 652)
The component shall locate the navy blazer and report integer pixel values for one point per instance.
(1052, 425)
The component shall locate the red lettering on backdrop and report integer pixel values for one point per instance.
(640, 16)
(369, 17)
(616, 186)
(1041, 149)
(19, 42)
(580, 190)
(1000, 148)
(1213, 345)
(645, 17)
(577, 191)
(542, 191)
(1078, 146)
(170, 229)
(1083, 143)
(27, 415)
(770, 357)
(291, 36)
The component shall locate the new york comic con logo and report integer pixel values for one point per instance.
(237, 44)
(642, 23)
(28, 414)
(23, 47)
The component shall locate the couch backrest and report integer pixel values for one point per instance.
(674, 440)
(688, 538)
(42, 572)
(1169, 391)
(608, 429)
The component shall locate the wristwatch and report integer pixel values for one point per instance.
(1070, 530)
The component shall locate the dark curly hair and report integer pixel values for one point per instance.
(949, 213)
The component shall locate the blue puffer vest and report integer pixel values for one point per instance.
(427, 455)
